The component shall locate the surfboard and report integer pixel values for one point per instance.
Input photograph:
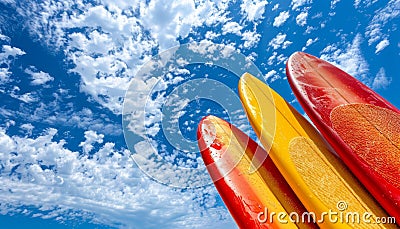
(251, 197)
(317, 176)
(359, 124)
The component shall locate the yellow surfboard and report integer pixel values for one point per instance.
(251, 197)
(328, 190)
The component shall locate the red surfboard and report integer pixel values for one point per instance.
(258, 198)
(362, 127)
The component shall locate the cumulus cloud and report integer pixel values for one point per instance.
(7, 56)
(382, 45)
(28, 127)
(250, 38)
(105, 188)
(381, 80)
(210, 35)
(334, 3)
(111, 40)
(350, 59)
(38, 77)
(276, 59)
(309, 42)
(121, 4)
(380, 21)
(27, 97)
(298, 3)
(4, 37)
(232, 27)
(271, 76)
(281, 18)
(105, 54)
(91, 138)
(301, 19)
(279, 41)
(169, 19)
(363, 4)
(10, 52)
(253, 10)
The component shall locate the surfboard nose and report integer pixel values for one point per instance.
(250, 196)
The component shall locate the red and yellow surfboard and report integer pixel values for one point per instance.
(250, 197)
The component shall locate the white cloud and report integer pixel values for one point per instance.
(298, 3)
(232, 27)
(4, 38)
(301, 19)
(269, 75)
(272, 58)
(28, 127)
(276, 6)
(169, 19)
(311, 28)
(121, 4)
(364, 3)
(333, 3)
(381, 80)
(250, 38)
(310, 42)
(38, 77)
(28, 97)
(382, 18)
(276, 59)
(105, 188)
(9, 51)
(105, 55)
(277, 41)
(7, 56)
(349, 59)
(116, 41)
(253, 10)
(286, 44)
(281, 18)
(382, 45)
(7, 144)
(91, 138)
(210, 35)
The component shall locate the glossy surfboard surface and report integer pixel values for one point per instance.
(317, 176)
(228, 154)
(360, 125)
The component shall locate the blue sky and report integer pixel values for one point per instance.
(65, 68)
